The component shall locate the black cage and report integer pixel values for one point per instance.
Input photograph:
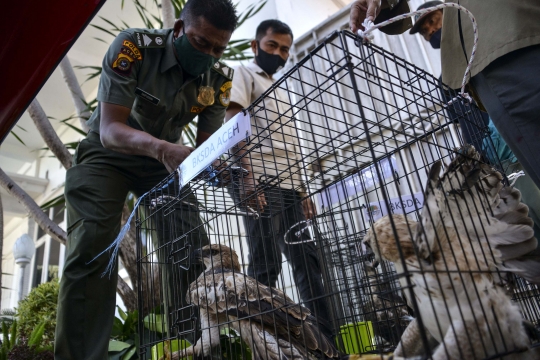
(353, 130)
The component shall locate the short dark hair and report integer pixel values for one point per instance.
(277, 27)
(220, 13)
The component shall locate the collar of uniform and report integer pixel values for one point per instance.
(169, 60)
(256, 68)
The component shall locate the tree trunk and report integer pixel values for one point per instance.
(167, 11)
(129, 297)
(56, 233)
(149, 277)
(33, 209)
(1, 244)
(75, 90)
(49, 135)
(128, 248)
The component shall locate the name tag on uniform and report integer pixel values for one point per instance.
(154, 100)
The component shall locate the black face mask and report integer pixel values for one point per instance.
(270, 63)
(435, 39)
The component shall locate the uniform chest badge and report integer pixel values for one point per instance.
(206, 95)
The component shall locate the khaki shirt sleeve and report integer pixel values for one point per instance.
(242, 87)
(120, 71)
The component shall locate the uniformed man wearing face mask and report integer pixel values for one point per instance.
(154, 82)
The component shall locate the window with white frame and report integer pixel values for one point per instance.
(49, 258)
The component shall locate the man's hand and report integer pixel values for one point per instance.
(223, 174)
(172, 155)
(361, 10)
(248, 187)
(309, 208)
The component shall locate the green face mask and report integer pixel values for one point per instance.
(193, 61)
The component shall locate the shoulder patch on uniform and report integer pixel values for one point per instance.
(224, 70)
(135, 52)
(122, 64)
(146, 40)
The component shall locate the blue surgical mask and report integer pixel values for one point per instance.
(435, 39)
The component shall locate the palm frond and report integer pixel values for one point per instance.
(96, 73)
(59, 200)
(251, 11)
(17, 137)
(103, 29)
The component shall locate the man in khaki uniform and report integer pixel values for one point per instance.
(505, 73)
(283, 203)
(154, 82)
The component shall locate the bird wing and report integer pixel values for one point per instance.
(487, 217)
(243, 297)
(265, 346)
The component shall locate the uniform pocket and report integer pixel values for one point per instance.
(147, 108)
(79, 152)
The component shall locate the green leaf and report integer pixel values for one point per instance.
(36, 335)
(13, 335)
(97, 71)
(59, 200)
(18, 138)
(115, 345)
(99, 39)
(5, 336)
(103, 29)
(117, 328)
(79, 131)
(114, 27)
(129, 355)
(122, 313)
(154, 322)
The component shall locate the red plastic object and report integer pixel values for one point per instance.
(34, 37)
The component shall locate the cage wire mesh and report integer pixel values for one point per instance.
(353, 131)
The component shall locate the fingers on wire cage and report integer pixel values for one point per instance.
(415, 245)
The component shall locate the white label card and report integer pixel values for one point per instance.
(231, 133)
(404, 205)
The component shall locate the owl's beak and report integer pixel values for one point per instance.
(196, 256)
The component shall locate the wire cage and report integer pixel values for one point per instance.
(344, 139)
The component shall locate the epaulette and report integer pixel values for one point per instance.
(224, 70)
(147, 40)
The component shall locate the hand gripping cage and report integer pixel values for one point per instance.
(353, 130)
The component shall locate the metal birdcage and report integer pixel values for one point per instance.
(351, 129)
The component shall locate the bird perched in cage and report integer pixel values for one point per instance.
(272, 324)
(470, 226)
